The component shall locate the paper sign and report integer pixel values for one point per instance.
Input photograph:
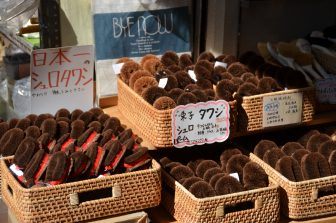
(326, 90)
(192, 75)
(163, 82)
(220, 64)
(62, 78)
(16, 170)
(282, 109)
(117, 67)
(235, 175)
(197, 124)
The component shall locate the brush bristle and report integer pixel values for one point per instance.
(143, 83)
(211, 172)
(204, 166)
(327, 148)
(63, 112)
(272, 156)
(137, 75)
(304, 139)
(314, 165)
(290, 147)
(175, 93)
(194, 164)
(204, 84)
(96, 126)
(206, 55)
(128, 69)
(86, 117)
(298, 154)
(169, 58)
(164, 103)
(4, 127)
(261, 148)
(10, 141)
(62, 128)
(102, 118)
(56, 166)
(289, 168)
(228, 185)
(236, 164)
(204, 70)
(185, 61)
(148, 57)
(202, 189)
(34, 164)
(186, 98)
(254, 176)
(49, 126)
(77, 128)
(180, 172)
(33, 132)
(315, 141)
(227, 154)
(105, 137)
(12, 123)
(25, 152)
(75, 114)
(32, 118)
(190, 181)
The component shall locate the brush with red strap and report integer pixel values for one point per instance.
(49, 126)
(112, 123)
(88, 137)
(138, 160)
(96, 155)
(26, 150)
(36, 168)
(80, 164)
(106, 136)
(58, 168)
(115, 152)
(127, 134)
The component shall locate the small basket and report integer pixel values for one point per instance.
(153, 124)
(185, 207)
(253, 106)
(82, 200)
(301, 200)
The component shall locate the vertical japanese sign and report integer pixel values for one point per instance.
(197, 124)
(326, 90)
(282, 109)
(62, 77)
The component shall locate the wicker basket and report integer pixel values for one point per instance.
(82, 200)
(253, 106)
(153, 124)
(185, 207)
(300, 200)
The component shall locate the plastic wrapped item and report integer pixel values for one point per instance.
(21, 97)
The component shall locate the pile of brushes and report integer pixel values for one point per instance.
(207, 178)
(72, 146)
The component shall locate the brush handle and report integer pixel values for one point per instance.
(311, 71)
(307, 78)
(320, 69)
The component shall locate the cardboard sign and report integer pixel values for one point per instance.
(220, 64)
(62, 78)
(192, 75)
(235, 175)
(163, 82)
(197, 124)
(326, 90)
(282, 109)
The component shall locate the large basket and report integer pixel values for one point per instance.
(253, 106)
(302, 200)
(153, 124)
(185, 207)
(82, 200)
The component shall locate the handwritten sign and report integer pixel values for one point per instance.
(192, 75)
(220, 64)
(326, 90)
(282, 109)
(197, 124)
(62, 78)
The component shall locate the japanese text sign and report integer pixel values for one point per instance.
(326, 90)
(197, 124)
(62, 78)
(282, 109)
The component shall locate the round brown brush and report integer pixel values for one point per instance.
(63, 112)
(304, 139)
(112, 123)
(86, 117)
(183, 79)
(193, 164)
(10, 141)
(75, 114)
(190, 181)
(228, 185)
(236, 164)
(229, 59)
(153, 66)
(204, 166)
(102, 118)
(200, 95)
(180, 172)
(25, 152)
(77, 128)
(49, 126)
(62, 128)
(175, 93)
(23, 124)
(327, 148)
(152, 93)
(211, 172)
(236, 69)
(185, 61)
(169, 58)
(204, 70)
(96, 126)
(289, 168)
(247, 75)
(254, 176)
(186, 98)
(43, 141)
(32, 131)
(315, 141)
(202, 189)
(148, 57)
(174, 68)
(247, 89)
(262, 147)
(137, 75)
(237, 81)
(253, 80)
(204, 84)
(227, 154)
(4, 127)
(226, 75)
(272, 156)
(221, 57)
(314, 165)
(215, 178)
(128, 69)
(191, 87)
(268, 84)
(298, 154)
(206, 56)
(143, 83)
(164, 161)
(164, 103)
(290, 147)
(210, 93)
(58, 168)
(32, 118)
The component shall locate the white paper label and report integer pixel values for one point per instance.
(220, 64)
(62, 78)
(16, 170)
(117, 67)
(197, 124)
(192, 75)
(326, 90)
(163, 82)
(282, 109)
(234, 175)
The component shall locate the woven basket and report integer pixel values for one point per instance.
(153, 124)
(253, 106)
(82, 200)
(300, 200)
(328, 61)
(185, 207)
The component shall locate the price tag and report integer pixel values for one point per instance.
(62, 78)
(117, 67)
(282, 109)
(163, 82)
(16, 170)
(326, 90)
(235, 175)
(192, 75)
(220, 64)
(197, 124)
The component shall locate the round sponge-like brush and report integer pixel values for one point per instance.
(183, 79)
(327, 148)
(181, 172)
(204, 84)
(102, 118)
(290, 147)
(289, 168)
(112, 123)
(236, 69)
(253, 80)
(62, 128)
(152, 93)
(33, 132)
(194, 164)
(236, 164)
(272, 156)
(254, 176)
(228, 185)
(138, 74)
(40, 119)
(96, 112)
(227, 154)
(268, 84)
(206, 56)
(153, 66)
(123, 60)
(204, 166)
(86, 117)
(171, 165)
(190, 181)
(247, 75)
(215, 178)
(23, 124)
(34, 164)
(63, 112)
(164, 103)
(175, 93)
(185, 61)
(247, 89)
(314, 165)
(49, 126)
(75, 114)
(128, 69)
(200, 95)
(211, 172)
(32, 118)
(143, 83)
(97, 127)
(148, 57)
(262, 147)
(204, 69)
(57, 167)
(226, 75)
(299, 154)
(171, 83)
(226, 85)
(315, 141)
(169, 58)
(202, 189)
(77, 128)
(186, 98)
(191, 87)
(25, 152)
